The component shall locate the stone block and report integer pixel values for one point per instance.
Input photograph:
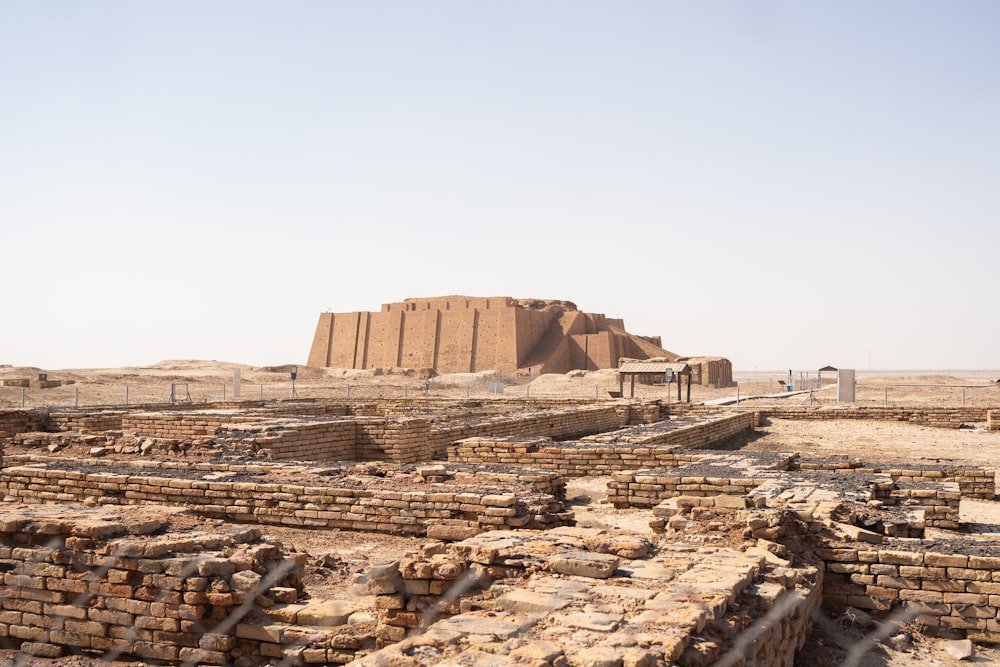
(326, 614)
(584, 564)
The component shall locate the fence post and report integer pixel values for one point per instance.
(595, 391)
(76, 397)
(406, 393)
(527, 391)
(348, 391)
(963, 397)
(22, 397)
(223, 391)
(262, 391)
(737, 394)
(886, 399)
(126, 396)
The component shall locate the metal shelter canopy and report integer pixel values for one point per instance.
(819, 375)
(647, 368)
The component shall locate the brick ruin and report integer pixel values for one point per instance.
(461, 334)
(99, 553)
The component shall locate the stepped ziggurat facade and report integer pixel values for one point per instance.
(461, 334)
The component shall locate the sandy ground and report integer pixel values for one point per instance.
(213, 381)
(337, 557)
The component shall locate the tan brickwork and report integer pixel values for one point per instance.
(467, 334)
(925, 416)
(411, 512)
(90, 580)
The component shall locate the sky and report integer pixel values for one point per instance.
(786, 184)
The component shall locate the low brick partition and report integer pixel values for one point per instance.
(405, 431)
(86, 422)
(657, 445)
(554, 423)
(299, 441)
(248, 493)
(938, 502)
(957, 589)
(709, 475)
(13, 422)
(403, 440)
(691, 432)
(923, 415)
(572, 459)
(948, 584)
(592, 598)
(973, 481)
(96, 580)
(183, 425)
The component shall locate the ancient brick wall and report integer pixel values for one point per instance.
(531, 327)
(402, 439)
(570, 459)
(182, 426)
(949, 591)
(694, 432)
(938, 502)
(69, 587)
(555, 423)
(711, 371)
(87, 422)
(643, 621)
(464, 334)
(410, 512)
(972, 481)
(629, 449)
(647, 488)
(925, 416)
(308, 441)
(13, 422)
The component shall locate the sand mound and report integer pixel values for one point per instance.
(574, 378)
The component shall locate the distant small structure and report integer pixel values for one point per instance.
(653, 371)
(819, 373)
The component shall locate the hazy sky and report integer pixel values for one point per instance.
(787, 184)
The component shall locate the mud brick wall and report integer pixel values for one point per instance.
(973, 482)
(13, 422)
(561, 423)
(182, 426)
(717, 586)
(646, 488)
(552, 483)
(925, 416)
(86, 422)
(693, 432)
(570, 459)
(655, 445)
(939, 503)
(394, 512)
(993, 420)
(307, 441)
(304, 407)
(951, 592)
(403, 440)
(155, 598)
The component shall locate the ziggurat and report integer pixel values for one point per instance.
(461, 334)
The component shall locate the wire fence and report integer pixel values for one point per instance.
(84, 396)
(824, 391)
